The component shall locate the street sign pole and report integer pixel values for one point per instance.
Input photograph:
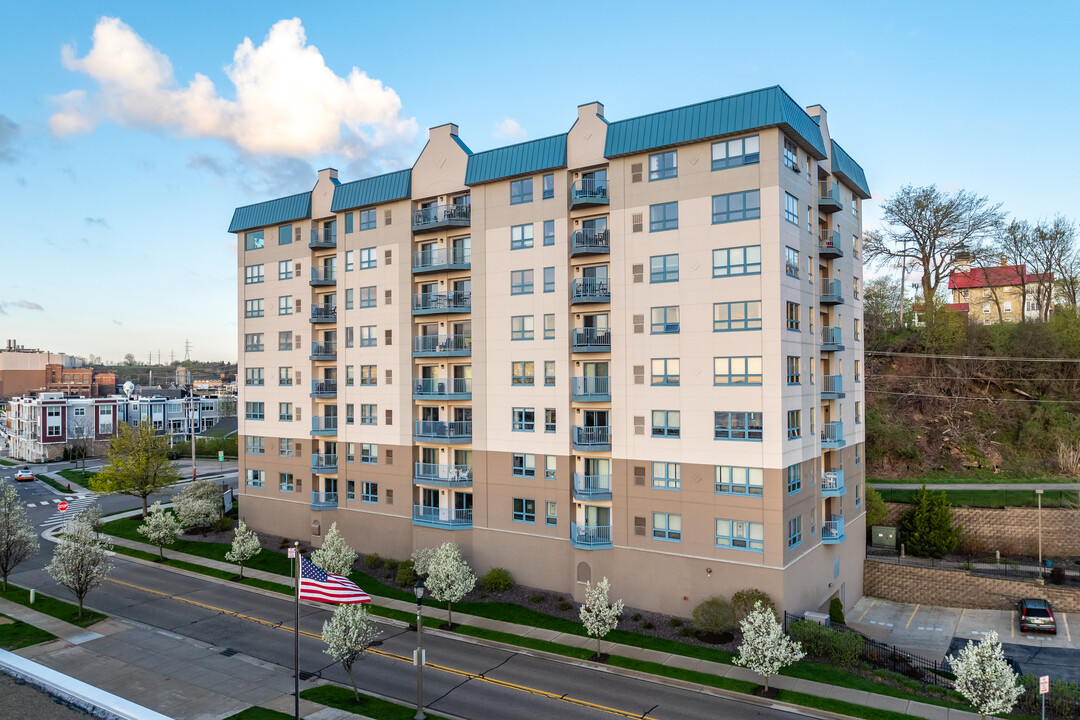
(1044, 689)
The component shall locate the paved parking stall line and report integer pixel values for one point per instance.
(867, 610)
(912, 616)
(1065, 622)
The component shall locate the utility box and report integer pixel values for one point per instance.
(819, 618)
(883, 536)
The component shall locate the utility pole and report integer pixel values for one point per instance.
(191, 422)
(903, 280)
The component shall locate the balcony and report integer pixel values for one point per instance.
(832, 531)
(441, 216)
(321, 500)
(324, 313)
(590, 339)
(831, 292)
(832, 483)
(441, 302)
(442, 346)
(596, 437)
(324, 425)
(589, 290)
(459, 431)
(832, 435)
(831, 339)
(448, 388)
(324, 350)
(829, 244)
(592, 487)
(590, 242)
(588, 192)
(324, 464)
(591, 388)
(590, 537)
(829, 197)
(447, 476)
(323, 276)
(832, 387)
(324, 388)
(442, 517)
(441, 259)
(323, 239)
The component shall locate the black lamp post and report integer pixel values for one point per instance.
(418, 588)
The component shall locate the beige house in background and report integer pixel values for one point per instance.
(631, 350)
(1006, 293)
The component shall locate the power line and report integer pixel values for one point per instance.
(983, 399)
(971, 357)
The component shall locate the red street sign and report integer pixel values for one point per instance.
(62, 507)
(1044, 684)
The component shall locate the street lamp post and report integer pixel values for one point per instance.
(418, 588)
(1039, 494)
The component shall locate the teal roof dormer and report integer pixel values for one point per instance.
(513, 160)
(372, 191)
(271, 212)
(845, 168)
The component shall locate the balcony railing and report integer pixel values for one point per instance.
(440, 302)
(831, 292)
(829, 196)
(323, 463)
(460, 388)
(590, 242)
(324, 425)
(441, 259)
(323, 275)
(323, 388)
(829, 243)
(590, 339)
(324, 312)
(442, 517)
(832, 531)
(446, 431)
(592, 487)
(596, 437)
(323, 350)
(322, 500)
(589, 191)
(832, 387)
(594, 388)
(442, 475)
(441, 216)
(832, 435)
(590, 537)
(832, 483)
(590, 290)
(831, 339)
(436, 345)
(322, 238)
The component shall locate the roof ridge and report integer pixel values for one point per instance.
(519, 144)
(263, 202)
(703, 102)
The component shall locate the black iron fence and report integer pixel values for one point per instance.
(1057, 573)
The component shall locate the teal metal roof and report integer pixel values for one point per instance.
(372, 191)
(756, 109)
(849, 171)
(271, 212)
(462, 145)
(521, 159)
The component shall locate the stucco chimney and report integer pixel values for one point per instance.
(444, 130)
(327, 174)
(590, 110)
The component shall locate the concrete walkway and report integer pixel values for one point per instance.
(977, 486)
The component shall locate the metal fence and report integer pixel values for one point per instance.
(1068, 574)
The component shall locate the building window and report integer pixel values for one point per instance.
(664, 216)
(521, 191)
(665, 320)
(524, 510)
(369, 375)
(284, 235)
(254, 445)
(794, 370)
(523, 465)
(735, 207)
(285, 482)
(522, 419)
(855, 245)
(665, 371)
(549, 373)
(368, 413)
(367, 219)
(794, 532)
(858, 453)
(285, 305)
(369, 492)
(737, 426)
(350, 375)
(256, 478)
(858, 495)
(551, 518)
(549, 232)
(285, 446)
(737, 370)
(253, 274)
(549, 326)
(350, 415)
(735, 316)
(548, 184)
(665, 475)
(794, 424)
(791, 262)
(667, 526)
(349, 337)
(253, 240)
(367, 297)
(521, 237)
(253, 376)
(285, 412)
(729, 262)
(284, 270)
(521, 327)
(855, 283)
(791, 208)
(739, 480)
(740, 535)
(253, 308)
(664, 268)
(549, 279)
(735, 153)
(793, 316)
(663, 165)
(521, 282)
(348, 224)
(367, 258)
(369, 453)
(794, 479)
(858, 371)
(666, 423)
(1007, 306)
(368, 337)
(349, 260)
(284, 340)
(549, 467)
(858, 412)
(521, 373)
(549, 420)
(791, 154)
(253, 342)
(857, 328)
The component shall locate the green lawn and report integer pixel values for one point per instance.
(525, 642)
(51, 606)
(81, 477)
(7, 462)
(258, 713)
(17, 634)
(990, 498)
(53, 484)
(343, 699)
(988, 478)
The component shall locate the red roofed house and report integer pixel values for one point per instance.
(1007, 293)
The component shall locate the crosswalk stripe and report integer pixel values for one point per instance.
(29, 505)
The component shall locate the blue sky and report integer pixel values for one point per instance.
(118, 180)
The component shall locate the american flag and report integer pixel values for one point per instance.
(321, 586)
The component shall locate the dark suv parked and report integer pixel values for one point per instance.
(1036, 615)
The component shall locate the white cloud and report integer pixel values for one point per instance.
(509, 129)
(288, 102)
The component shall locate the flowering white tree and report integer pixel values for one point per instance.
(347, 635)
(80, 561)
(765, 648)
(160, 528)
(984, 678)
(449, 577)
(335, 556)
(17, 538)
(245, 545)
(597, 614)
(198, 505)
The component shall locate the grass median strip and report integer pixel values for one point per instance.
(17, 634)
(51, 606)
(343, 699)
(54, 484)
(525, 642)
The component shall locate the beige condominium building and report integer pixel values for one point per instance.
(631, 350)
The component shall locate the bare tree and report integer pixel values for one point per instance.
(1056, 254)
(925, 228)
(1042, 250)
(80, 438)
(129, 359)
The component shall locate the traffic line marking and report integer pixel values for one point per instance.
(1065, 622)
(912, 616)
(867, 610)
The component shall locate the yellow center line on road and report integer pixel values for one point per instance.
(393, 656)
(867, 610)
(912, 616)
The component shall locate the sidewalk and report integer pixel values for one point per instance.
(808, 687)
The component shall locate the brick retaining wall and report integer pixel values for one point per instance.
(1013, 531)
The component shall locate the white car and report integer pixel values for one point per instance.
(24, 474)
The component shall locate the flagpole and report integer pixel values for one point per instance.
(296, 635)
